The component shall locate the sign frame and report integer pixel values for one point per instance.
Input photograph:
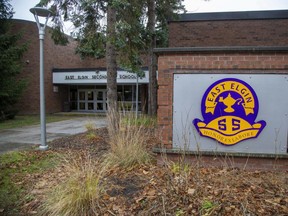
(271, 90)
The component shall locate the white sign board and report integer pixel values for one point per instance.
(197, 98)
(96, 77)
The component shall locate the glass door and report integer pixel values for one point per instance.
(90, 100)
(82, 99)
(101, 100)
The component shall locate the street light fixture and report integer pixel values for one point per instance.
(42, 12)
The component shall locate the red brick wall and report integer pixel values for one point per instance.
(229, 33)
(55, 56)
(184, 62)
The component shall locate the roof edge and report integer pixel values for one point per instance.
(88, 69)
(236, 15)
(221, 49)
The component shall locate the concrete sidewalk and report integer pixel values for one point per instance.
(25, 137)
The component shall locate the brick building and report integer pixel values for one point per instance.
(211, 50)
(86, 92)
(256, 28)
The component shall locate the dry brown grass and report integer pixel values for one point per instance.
(128, 144)
(80, 192)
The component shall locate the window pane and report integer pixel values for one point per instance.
(81, 95)
(73, 95)
(99, 95)
(120, 95)
(100, 106)
(90, 95)
(73, 105)
(81, 106)
(90, 106)
(127, 93)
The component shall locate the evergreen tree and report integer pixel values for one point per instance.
(129, 32)
(10, 63)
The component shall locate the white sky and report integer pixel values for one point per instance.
(234, 5)
(21, 7)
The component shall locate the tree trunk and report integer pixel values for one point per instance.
(113, 120)
(152, 99)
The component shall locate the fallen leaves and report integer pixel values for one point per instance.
(152, 190)
(191, 191)
(159, 190)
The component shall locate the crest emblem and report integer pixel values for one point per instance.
(229, 108)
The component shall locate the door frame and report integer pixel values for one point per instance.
(95, 101)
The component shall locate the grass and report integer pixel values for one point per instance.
(207, 207)
(91, 131)
(142, 120)
(80, 193)
(14, 167)
(128, 144)
(26, 120)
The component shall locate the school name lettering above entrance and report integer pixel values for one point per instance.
(92, 77)
(98, 77)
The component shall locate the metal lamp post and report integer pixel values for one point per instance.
(42, 12)
(137, 94)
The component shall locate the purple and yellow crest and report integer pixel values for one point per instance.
(229, 108)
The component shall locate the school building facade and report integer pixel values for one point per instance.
(72, 83)
(223, 84)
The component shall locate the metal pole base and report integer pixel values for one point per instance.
(43, 148)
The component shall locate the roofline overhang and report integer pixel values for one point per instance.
(219, 49)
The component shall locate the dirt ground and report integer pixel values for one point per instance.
(170, 189)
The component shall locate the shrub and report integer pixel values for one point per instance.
(90, 126)
(80, 192)
(91, 131)
(128, 144)
(142, 120)
(9, 114)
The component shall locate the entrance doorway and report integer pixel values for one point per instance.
(92, 100)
